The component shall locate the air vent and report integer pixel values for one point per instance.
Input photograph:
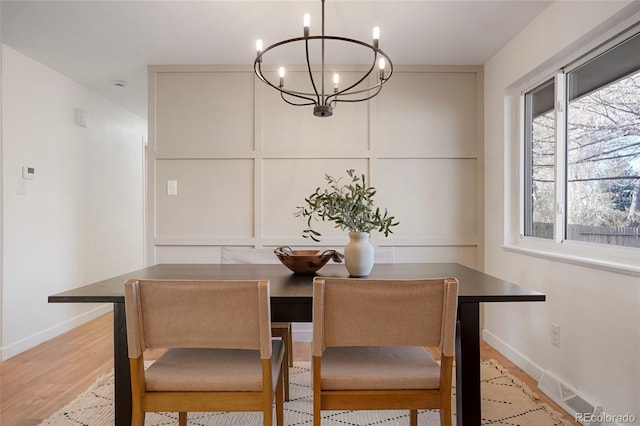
(569, 399)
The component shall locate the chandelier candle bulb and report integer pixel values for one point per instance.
(336, 81)
(382, 65)
(259, 48)
(376, 37)
(281, 74)
(306, 21)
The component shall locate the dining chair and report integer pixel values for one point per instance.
(242, 255)
(220, 354)
(370, 340)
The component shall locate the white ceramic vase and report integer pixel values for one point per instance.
(358, 254)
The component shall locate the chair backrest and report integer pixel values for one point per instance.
(198, 314)
(243, 255)
(367, 312)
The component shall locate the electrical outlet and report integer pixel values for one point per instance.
(555, 335)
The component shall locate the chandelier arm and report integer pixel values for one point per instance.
(295, 94)
(368, 89)
(257, 68)
(326, 37)
(377, 88)
(301, 95)
(311, 101)
(313, 83)
(258, 71)
(364, 77)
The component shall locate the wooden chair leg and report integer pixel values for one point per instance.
(182, 418)
(279, 400)
(317, 401)
(137, 418)
(285, 384)
(290, 346)
(267, 417)
(136, 366)
(446, 378)
(413, 417)
(446, 416)
(285, 374)
(283, 330)
(317, 413)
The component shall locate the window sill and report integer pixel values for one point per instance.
(627, 261)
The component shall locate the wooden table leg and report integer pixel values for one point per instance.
(122, 394)
(468, 398)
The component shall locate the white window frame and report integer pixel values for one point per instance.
(613, 258)
(561, 160)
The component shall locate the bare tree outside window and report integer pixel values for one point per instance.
(542, 169)
(603, 157)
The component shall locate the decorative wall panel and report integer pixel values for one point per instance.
(203, 113)
(244, 160)
(286, 183)
(432, 198)
(214, 198)
(428, 114)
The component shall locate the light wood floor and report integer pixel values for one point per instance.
(40, 381)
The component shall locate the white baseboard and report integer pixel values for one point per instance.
(513, 355)
(29, 342)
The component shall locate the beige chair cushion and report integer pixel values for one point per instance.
(374, 368)
(205, 370)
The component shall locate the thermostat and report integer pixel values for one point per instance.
(28, 172)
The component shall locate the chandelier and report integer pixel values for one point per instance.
(323, 103)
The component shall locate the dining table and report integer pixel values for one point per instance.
(292, 299)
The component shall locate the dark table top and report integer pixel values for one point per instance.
(474, 286)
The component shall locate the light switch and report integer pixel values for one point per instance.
(22, 187)
(172, 187)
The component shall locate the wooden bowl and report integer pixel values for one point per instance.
(304, 261)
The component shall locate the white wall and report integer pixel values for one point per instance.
(81, 219)
(1, 168)
(597, 310)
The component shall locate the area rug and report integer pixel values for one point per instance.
(505, 401)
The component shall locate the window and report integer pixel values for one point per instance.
(540, 160)
(582, 150)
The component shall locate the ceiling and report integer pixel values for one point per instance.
(98, 42)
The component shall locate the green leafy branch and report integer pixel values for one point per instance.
(350, 206)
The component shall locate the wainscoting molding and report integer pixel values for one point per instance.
(244, 160)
